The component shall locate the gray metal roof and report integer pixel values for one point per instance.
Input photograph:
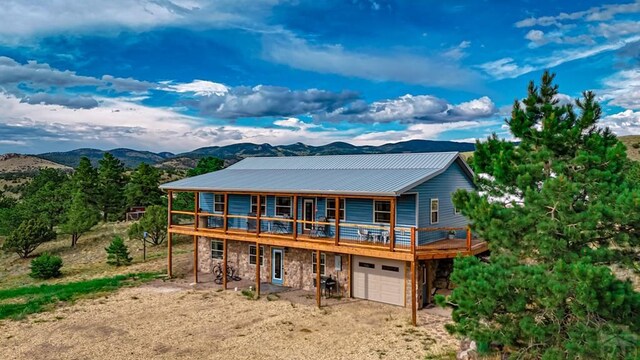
(375, 175)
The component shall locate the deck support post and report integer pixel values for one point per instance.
(295, 217)
(337, 221)
(413, 241)
(414, 305)
(195, 259)
(318, 293)
(196, 210)
(169, 251)
(392, 225)
(224, 264)
(469, 239)
(427, 281)
(258, 263)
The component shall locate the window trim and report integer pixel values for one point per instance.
(254, 255)
(275, 206)
(215, 203)
(263, 204)
(323, 263)
(436, 211)
(221, 250)
(344, 209)
(456, 211)
(376, 211)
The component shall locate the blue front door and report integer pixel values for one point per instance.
(277, 266)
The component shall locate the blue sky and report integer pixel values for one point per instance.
(175, 75)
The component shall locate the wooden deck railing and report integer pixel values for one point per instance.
(341, 233)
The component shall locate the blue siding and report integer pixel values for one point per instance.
(406, 210)
(206, 202)
(441, 187)
(359, 210)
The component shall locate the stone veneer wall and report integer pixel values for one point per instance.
(419, 280)
(298, 272)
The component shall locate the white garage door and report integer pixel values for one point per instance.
(378, 280)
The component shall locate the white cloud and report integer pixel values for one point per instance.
(623, 89)
(397, 66)
(199, 87)
(623, 123)
(599, 13)
(505, 68)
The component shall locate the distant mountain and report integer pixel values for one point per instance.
(131, 158)
(26, 165)
(239, 151)
(235, 152)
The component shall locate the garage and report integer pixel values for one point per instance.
(378, 280)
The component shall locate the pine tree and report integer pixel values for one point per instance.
(45, 197)
(111, 183)
(80, 217)
(154, 223)
(556, 209)
(85, 180)
(118, 253)
(143, 187)
(27, 237)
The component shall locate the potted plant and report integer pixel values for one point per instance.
(451, 234)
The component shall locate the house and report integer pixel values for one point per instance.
(377, 224)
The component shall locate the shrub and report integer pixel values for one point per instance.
(46, 266)
(118, 253)
(27, 237)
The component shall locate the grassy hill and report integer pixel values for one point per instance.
(130, 158)
(16, 170)
(632, 142)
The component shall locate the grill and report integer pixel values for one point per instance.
(329, 286)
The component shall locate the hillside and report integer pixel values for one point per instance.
(131, 158)
(632, 142)
(16, 170)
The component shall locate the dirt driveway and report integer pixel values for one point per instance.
(170, 320)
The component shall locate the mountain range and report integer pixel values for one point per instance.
(235, 152)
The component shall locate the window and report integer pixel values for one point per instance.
(391, 268)
(323, 260)
(366, 265)
(435, 211)
(456, 211)
(217, 249)
(263, 205)
(382, 211)
(252, 254)
(283, 205)
(218, 203)
(331, 209)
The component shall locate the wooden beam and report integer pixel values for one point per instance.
(169, 251)
(258, 211)
(414, 304)
(318, 301)
(225, 226)
(295, 217)
(309, 194)
(225, 258)
(392, 226)
(195, 259)
(350, 275)
(337, 216)
(258, 262)
(413, 240)
(169, 206)
(196, 221)
(468, 239)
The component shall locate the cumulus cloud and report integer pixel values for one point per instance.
(198, 87)
(73, 102)
(261, 100)
(334, 59)
(38, 75)
(623, 89)
(623, 123)
(414, 109)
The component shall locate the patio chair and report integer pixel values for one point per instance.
(251, 223)
(363, 234)
(384, 236)
(320, 230)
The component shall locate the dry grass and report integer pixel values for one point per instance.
(14, 163)
(630, 141)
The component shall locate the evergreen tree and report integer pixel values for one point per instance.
(118, 253)
(556, 210)
(111, 183)
(45, 197)
(79, 218)
(27, 237)
(143, 187)
(154, 223)
(85, 180)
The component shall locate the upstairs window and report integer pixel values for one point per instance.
(263, 205)
(283, 206)
(435, 211)
(218, 203)
(382, 212)
(331, 209)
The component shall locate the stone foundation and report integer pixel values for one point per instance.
(298, 272)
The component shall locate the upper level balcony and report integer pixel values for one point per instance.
(379, 223)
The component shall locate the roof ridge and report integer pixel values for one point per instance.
(350, 155)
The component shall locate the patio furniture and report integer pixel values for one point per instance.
(280, 227)
(320, 230)
(363, 234)
(251, 223)
(384, 236)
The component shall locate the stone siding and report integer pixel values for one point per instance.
(298, 272)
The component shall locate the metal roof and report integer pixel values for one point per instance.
(375, 174)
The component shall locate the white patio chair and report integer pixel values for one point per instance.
(384, 236)
(363, 234)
